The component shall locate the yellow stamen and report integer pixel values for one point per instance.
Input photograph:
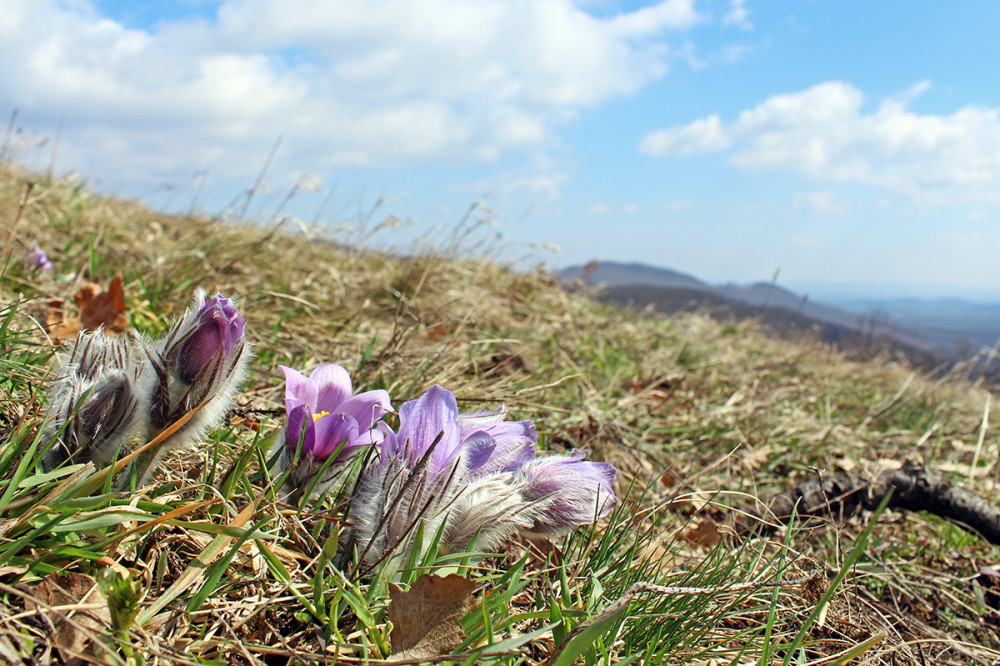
(317, 417)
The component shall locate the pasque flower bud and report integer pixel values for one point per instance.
(199, 364)
(569, 490)
(95, 402)
(218, 329)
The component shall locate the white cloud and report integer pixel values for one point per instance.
(826, 134)
(820, 203)
(738, 15)
(599, 208)
(733, 53)
(705, 135)
(385, 82)
(630, 209)
(680, 204)
(544, 187)
(689, 54)
(652, 20)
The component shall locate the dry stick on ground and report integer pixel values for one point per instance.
(913, 486)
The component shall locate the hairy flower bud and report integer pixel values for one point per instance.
(218, 328)
(95, 404)
(199, 364)
(570, 491)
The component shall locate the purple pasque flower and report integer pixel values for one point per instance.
(415, 478)
(443, 466)
(569, 490)
(36, 258)
(492, 444)
(323, 414)
(484, 441)
(472, 476)
(427, 425)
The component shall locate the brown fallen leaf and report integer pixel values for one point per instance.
(706, 535)
(74, 627)
(102, 308)
(59, 322)
(426, 618)
(95, 308)
(437, 332)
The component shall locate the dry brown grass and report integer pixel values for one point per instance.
(712, 414)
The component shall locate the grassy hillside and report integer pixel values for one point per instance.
(698, 417)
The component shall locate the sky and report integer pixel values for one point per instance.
(851, 146)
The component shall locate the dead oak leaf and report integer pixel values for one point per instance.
(102, 308)
(96, 308)
(76, 609)
(706, 534)
(426, 618)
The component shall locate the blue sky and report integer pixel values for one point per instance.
(855, 146)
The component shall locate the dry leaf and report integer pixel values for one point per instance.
(706, 534)
(668, 479)
(426, 619)
(102, 308)
(437, 332)
(74, 627)
(96, 308)
(60, 324)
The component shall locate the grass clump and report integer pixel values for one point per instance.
(207, 563)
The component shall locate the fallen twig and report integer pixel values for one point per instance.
(913, 486)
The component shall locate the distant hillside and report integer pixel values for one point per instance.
(916, 335)
(762, 294)
(866, 341)
(952, 328)
(942, 322)
(613, 273)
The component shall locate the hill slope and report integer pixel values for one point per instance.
(698, 416)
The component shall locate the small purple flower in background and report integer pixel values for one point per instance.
(37, 259)
(569, 490)
(324, 416)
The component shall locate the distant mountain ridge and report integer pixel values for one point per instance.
(762, 294)
(614, 274)
(948, 328)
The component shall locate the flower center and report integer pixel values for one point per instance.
(317, 417)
